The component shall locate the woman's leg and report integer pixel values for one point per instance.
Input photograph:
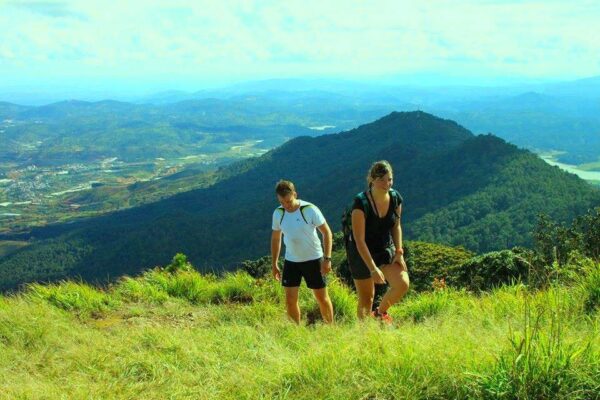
(365, 289)
(397, 277)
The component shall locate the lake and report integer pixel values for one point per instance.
(587, 175)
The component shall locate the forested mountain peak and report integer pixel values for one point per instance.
(460, 189)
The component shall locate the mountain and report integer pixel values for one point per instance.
(461, 189)
(535, 120)
(78, 131)
(9, 110)
(587, 88)
(563, 116)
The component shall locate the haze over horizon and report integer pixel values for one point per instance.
(115, 49)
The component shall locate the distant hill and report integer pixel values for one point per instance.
(562, 116)
(582, 88)
(557, 121)
(460, 189)
(79, 131)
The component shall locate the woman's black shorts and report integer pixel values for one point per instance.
(310, 270)
(358, 268)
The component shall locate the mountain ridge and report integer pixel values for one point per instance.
(437, 164)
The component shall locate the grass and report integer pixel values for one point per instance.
(191, 336)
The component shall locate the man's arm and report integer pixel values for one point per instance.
(327, 239)
(275, 250)
(327, 244)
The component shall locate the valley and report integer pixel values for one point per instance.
(38, 195)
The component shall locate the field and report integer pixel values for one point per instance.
(183, 335)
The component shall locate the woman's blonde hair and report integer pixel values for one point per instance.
(378, 170)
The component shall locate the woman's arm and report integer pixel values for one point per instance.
(397, 232)
(397, 238)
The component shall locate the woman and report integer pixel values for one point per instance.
(374, 249)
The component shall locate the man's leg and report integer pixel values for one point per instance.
(291, 303)
(324, 303)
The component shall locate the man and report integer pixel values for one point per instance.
(298, 221)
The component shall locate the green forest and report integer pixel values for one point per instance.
(459, 189)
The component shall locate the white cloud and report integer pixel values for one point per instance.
(247, 39)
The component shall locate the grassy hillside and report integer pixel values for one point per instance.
(183, 335)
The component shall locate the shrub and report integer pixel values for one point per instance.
(425, 261)
(179, 263)
(338, 241)
(590, 283)
(489, 270)
(428, 261)
(555, 241)
(257, 268)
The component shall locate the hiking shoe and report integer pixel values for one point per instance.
(383, 317)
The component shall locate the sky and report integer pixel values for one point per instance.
(148, 46)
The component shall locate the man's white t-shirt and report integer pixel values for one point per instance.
(300, 236)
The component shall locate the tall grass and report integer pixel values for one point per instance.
(73, 296)
(541, 362)
(157, 285)
(183, 335)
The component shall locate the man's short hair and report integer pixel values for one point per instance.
(283, 188)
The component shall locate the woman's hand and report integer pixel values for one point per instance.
(377, 276)
(399, 259)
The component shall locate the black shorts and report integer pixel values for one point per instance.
(358, 268)
(310, 270)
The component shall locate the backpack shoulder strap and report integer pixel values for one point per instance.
(302, 211)
(396, 201)
(365, 202)
(282, 211)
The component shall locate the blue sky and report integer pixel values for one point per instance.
(157, 45)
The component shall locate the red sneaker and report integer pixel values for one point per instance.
(383, 317)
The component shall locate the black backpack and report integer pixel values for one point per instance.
(347, 216)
